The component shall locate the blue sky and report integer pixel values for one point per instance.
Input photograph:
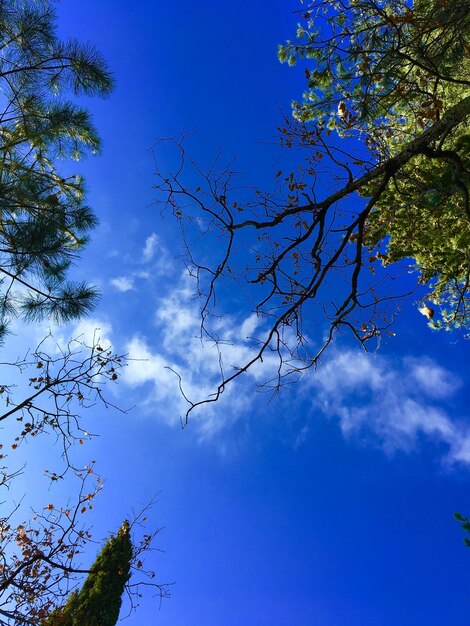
(328, 505)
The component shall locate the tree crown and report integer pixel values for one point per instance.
(44, 221)
(381, 186)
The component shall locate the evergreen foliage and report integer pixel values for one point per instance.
(99, 601)
(44, 221)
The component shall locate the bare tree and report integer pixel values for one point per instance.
(62, 381)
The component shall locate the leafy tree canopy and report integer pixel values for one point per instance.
(383, 73)
(380, 185)
(44, 220)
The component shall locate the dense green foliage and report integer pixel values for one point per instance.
(44, 220)
(382, 73)
(99, 601)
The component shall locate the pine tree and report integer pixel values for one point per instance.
(99, 601)
(44, 221)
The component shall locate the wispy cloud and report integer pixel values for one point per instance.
(154, 260)
(156, 255)
(150, 247)
(180, 351)
(122, 283)
(397, 402)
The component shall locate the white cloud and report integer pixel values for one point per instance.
(122, 283)
(394, 401)
(155, 254)
(155, 257)
(397, 402)
(151, 244)
(301, 437)
(92, 330)
(54, 337)
(178, 347)
(249, 326)
(164, 398)
(435, 381)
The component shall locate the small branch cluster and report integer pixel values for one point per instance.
(62, 381)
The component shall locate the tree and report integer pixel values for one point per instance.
(38, 563)
(62, 381)
(403, 72)
(44, 223)
(99, 601)
(37, 556)
(44, 220)
(39, 553)
(380, 184)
